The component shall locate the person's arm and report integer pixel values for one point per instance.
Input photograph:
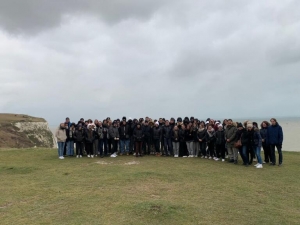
(280, 135)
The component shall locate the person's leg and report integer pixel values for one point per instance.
(273, 156)
(81, 145)
(279, 150)
(95, 147)
(174, 148)
(59, 149)
(65, 149)
(100, 147)
(218, 151)
(136, 149)
(105, 146)
(235, 154)
(122, 147)
(166, 146)
(223, 149)
(257, 153)
(245, 155)
(109, 142)
(230, 153)
(77, 149)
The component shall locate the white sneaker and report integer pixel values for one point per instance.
(77, 156)
(95, 155)
(256, 164)
(223, 160)
(80, 156)
(176, 156)
(61, 157)
(209, 157)
(195, 156)
(92, 156)
(88, 156)
(205, 157)
(216, 159)
(260, 166)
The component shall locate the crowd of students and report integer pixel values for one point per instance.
(188, 137)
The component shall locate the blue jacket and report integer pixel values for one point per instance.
(274, 135)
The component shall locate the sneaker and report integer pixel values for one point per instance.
(259, 166)
(209, 157)
(80, 156)
(77, 156)
(256, 164)
(216, 159)
(205, 157)
(223, 160)
(264, 162)
(95, 156)
(88, 156)
(61, 157)
(176, 156)
(92, 156)
(195, 156)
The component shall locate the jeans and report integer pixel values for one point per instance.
(102, 143)
(124, 143)
(70, 148)
(61, 146)
(257, 153)
(176, 148)
(273, 156)
(211, 149)
(95, 146)
(246, 151)
(147, 145)
(190, 147)
(196, 148)
(220, 151)
(168, 146)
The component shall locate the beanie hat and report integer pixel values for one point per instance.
(239, 125)
(157, 123)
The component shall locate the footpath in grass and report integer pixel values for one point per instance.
(38, 188)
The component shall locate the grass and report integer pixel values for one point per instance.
(38, 188)
(10, 117)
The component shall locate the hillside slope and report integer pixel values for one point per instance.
(23, 131)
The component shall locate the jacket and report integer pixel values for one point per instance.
(79, 135)
(251, 138)
(113, 132)
(60, 134)
(166, 131)
(220, 137)
(275, 135)
(210, 136)
(70, 135)
(175, 136)
(181, 135)
(147, 131)
(89, 136)
(230, 133)
(156, 133)
(201, 135)
(124, 131)
(138, 134)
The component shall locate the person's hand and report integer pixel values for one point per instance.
(228, 140)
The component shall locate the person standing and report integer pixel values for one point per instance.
(70, 140)
(166, 131)
(189, 139)
(230, 133)
(89, 140)
(175, 141)
(275, 139)
(138, 140)
(114, 137)
(211, 139)
(264, 133)
(61, 137)
(157, 137)
(147, 138)
(220, 143)
(124, 131)
(248, 148)
(201, 136)
(79, 138)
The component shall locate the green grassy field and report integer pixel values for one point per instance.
(38, 188)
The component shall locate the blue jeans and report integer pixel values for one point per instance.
(102, 143)
(61, 146)
(245, 156)
(257, 153)
(123, 144)
(70, 148)
(168, 146)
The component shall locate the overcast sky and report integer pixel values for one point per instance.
(93, 59)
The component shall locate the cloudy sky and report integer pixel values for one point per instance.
(96, 58)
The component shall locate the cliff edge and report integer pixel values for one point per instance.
(23, 131)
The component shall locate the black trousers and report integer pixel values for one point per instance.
(220, 150)
(79, 148)
(147, 145)
(273, 156)
(267, 153)
(89, 148)
(156, 145)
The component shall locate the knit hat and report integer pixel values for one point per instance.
(220, 125)
(157, 123)
(239, 125)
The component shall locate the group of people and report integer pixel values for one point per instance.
(188, 137)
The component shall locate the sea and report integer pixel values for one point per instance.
(290, 127)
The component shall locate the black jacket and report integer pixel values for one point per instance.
(79, 135)
(147, 131)
(124, 131)
(70, 135)
(202, 135)
(166, 131)
(138, 134)
(175, 136)
(156, 133)
(89, 136)
(220, 137)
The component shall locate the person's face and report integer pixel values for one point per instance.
(220, 128)
(156, 125)
(229, 122)
(249, 128)
(209, 127)
(175, 128)
(264, 125)
(226, 122)
(240, 128)
(124, 122)
(80, 127)
(160, 121)
(67, 120)
(146, 124)
(273, 122)
(100, 123)
(167, 123)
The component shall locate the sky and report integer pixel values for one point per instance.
(96, 58)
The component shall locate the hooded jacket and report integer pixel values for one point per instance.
(230, 133)
(138, 134)
(79, 135)
(166, 130)
(156, 133)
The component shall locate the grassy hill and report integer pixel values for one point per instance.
(38, 188)
(9, 118)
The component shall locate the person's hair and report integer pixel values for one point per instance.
(264, 122)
